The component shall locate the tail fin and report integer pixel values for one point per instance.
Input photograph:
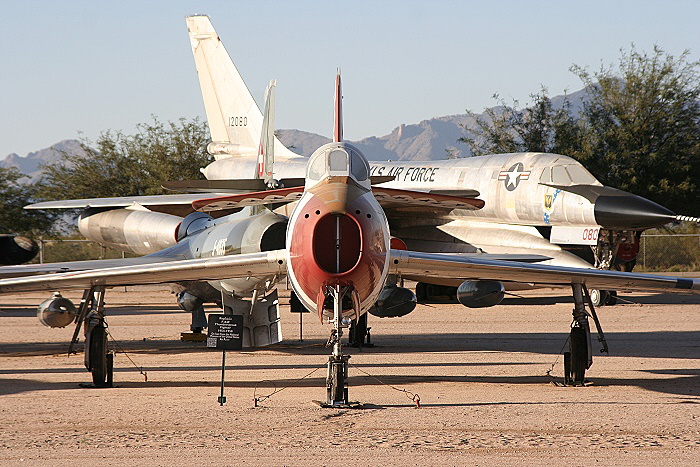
(266, 152)
(338, 114)
(233, 116)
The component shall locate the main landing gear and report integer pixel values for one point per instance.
(336, 378)
(580, 357)
(98, 360)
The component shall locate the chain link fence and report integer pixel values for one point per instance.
(657, 252)
(669, 252)
(54, 251)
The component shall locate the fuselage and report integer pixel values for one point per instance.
(518, 188)
(338, 235)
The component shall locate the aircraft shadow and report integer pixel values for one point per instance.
(24, 311)
(514, 298)
(685, 384)
(651, 344)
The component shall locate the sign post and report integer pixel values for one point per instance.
(295, 306)
(225, 333)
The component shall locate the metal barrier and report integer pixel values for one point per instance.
(52, 251)
(669, 252)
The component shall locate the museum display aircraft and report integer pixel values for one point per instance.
(17, 249)
(335, 247)
(540, 204)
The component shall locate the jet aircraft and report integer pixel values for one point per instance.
(335, 247)
(536, 203)
(16, 249)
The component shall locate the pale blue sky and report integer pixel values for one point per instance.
(86, 66)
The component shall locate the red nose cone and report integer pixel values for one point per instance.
(337, 243)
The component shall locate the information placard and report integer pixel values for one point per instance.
(225, 332)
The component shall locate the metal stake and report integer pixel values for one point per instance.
(222, 398)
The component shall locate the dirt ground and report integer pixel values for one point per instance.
(481, 376)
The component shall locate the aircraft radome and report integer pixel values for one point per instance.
(334, 242)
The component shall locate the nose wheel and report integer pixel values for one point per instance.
(337, 375)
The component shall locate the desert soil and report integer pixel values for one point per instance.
(482, 378)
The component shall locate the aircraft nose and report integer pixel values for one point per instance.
(628, 211)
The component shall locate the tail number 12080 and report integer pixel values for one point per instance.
(238, 121)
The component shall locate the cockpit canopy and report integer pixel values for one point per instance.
(567, 175)
(337, 160)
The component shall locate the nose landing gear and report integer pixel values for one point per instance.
(337, 375)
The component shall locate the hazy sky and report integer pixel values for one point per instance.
(86, 66)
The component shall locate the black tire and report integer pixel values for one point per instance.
(611, 299)
(358, 331)
(98, 355)
(421, 292)
(338, 383)
(578, 345)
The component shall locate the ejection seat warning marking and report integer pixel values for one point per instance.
(225, 332)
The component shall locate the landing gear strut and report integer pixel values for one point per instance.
(98, 359)
(336, 378)
(580, 357)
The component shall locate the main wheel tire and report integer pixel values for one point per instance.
(338, 383)
(98, 355)
(578, 345)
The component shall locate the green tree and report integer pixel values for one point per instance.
(14, 195)
(118, 164)
(538, 127)
(642, 126)
(639, 129)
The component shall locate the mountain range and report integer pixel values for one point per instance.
(428, 140)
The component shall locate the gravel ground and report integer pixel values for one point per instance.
(481, 376)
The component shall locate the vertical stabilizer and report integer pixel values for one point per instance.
(234, 118)
(338, 114)
(266, 151)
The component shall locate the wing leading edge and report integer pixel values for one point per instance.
(267, 263)
(456, 269)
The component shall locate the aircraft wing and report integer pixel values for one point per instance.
(456, 269)
(263, 264)
(387, 197)
(72, 266)
(179, 205)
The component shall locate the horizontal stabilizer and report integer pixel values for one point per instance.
(385, 196)
(390, 197)
(462, 193)
(243, 185)
(259, 198)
